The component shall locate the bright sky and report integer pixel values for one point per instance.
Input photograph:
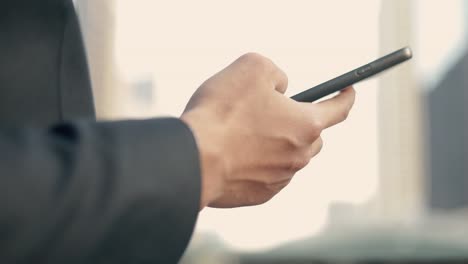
(184, 42)
(438, 37)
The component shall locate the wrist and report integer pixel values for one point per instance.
(212, 164)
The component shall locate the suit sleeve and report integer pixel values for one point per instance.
(110, 192)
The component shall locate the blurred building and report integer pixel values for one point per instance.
(447, 186)
(98, 23)
(115, 96)
(401, 175)
(140, 96)
(448, 137)
(423, 149)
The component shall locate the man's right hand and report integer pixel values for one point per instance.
(252, 139)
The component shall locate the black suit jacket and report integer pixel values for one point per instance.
(73, 190)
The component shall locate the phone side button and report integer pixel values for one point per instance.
(364, 70)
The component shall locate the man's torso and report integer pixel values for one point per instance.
(44, 77)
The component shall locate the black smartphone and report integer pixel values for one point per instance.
(354, 76)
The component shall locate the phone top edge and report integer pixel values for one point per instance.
(408, 52)
(338, 83)
(405, 52)
(395, 57)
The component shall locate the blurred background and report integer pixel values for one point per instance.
(390, 183)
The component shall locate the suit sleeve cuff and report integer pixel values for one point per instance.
(160, 189)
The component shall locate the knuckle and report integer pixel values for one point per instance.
(299, 163)
(344, 115)
(257, 60)
(254, 57)
(314, 129)
(276, 187)
(268, 178)
(316, 125)
(284, 77)
(317, 147)
(320, 143)
(263, 199)
(292, 143)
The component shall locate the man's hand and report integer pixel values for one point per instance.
(252, 139)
